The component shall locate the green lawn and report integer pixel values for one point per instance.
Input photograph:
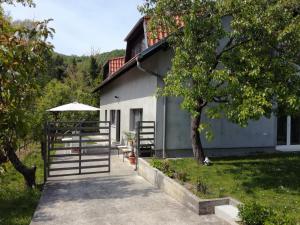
(17, 203)
(272, 180)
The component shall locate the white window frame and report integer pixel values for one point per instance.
(288, 146)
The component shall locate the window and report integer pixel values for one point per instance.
(281, 130)
(295, 130)
(288, 130)
(113, 117)
(105, 117)
(135, 116)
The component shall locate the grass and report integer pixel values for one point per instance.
(272, 180)
(18, 203)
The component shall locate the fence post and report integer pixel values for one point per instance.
(109, 144)
(79, 148)
(47, 150)
(137, 133)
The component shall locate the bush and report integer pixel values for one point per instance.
(280, 219)
(156, 163)
(164, 166)
(255, 214)
(3, 169)
(201, 185)
(181, 175)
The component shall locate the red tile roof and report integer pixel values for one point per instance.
(115, 64)
(160, 33)
(118, 65)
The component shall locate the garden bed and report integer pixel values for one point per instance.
(271, 180)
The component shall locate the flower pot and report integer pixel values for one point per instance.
(131, 159)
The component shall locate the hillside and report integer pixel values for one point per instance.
(83, 62)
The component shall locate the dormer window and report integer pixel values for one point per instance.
(138, 46)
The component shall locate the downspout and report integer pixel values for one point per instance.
(139, 66)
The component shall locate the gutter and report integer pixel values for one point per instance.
(139, 66)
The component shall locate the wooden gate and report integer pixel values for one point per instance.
(74, 148)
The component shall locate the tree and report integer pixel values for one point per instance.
(59, 67)
(22, 60)
(94, 68)
(74, 87)
(235, 59)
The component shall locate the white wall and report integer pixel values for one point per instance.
(135, 89)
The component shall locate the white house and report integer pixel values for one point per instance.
(128, 94)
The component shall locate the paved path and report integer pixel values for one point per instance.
(119, 198)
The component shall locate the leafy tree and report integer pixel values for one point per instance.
(22, 59)
(232, 58)
(94, 68)
(73, 88)
(74, 62)
(59, 67)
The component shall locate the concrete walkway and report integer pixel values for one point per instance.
(121, 197)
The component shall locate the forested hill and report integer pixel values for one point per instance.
(59, 63)
(100, 57)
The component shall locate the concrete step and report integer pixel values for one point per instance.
(228, 213)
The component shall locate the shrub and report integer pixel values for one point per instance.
(201, 185)
(156, 163)
(181, 175)
(255, 214)
(280, 219)
(3, 169)
(164, 166)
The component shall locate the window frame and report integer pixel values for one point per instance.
(112, 118)
(132, 118)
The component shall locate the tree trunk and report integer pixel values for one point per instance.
(195, 135)
(28, 173)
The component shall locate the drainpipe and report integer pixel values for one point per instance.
(139, 66)
(164, 125)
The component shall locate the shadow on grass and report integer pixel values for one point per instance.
(17, 208)
(280, 173)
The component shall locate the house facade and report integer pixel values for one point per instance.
(128, 94)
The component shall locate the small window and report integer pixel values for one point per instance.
(135, 116)
(113, 117)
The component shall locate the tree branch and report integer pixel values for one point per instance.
(228, 47)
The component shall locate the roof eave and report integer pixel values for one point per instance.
(141, 20)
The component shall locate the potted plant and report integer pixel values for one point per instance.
(131, 141)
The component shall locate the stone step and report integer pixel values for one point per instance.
(229, 213)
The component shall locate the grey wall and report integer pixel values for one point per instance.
(261, 133)
(137, 90)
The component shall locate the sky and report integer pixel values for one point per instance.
(83, 25)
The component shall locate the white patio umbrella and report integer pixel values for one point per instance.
(75, 106)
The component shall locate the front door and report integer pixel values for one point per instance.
(288, 133)
(118, 126)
